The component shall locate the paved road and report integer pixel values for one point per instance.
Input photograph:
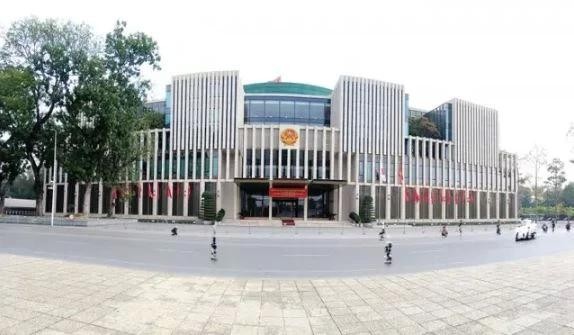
(262, 255)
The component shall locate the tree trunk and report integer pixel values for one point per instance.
(87, 196)
(39, 189)
(112, 201)
(2, 196)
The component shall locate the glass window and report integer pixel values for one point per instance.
(302, 110)
(317, 111)
(256, 109)
(287, 110)
(271, 109)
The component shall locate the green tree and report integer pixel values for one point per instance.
(567, 195)
(555, 181)
(47, 53)
(423, 127)
(23, 186)
(366, 209)
(15, 95)
(207, 210)
(104, 112)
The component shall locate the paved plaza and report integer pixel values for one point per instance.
(530, 296)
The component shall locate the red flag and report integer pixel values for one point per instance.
(169, 194)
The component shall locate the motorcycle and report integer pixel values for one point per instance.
(444, 232)
(382, 235)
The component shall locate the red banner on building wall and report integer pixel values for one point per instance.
(288, 192)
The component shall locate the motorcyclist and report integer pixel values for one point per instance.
(382, 234)
(444, 232)
(388, 249)
(213, 249)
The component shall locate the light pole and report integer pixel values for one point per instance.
(54, 168)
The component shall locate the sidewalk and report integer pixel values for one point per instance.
(42, 296)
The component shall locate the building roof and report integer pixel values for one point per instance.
(286, 88)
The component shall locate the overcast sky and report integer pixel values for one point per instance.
(514, 56)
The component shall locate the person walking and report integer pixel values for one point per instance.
(553, 224)
(213, 249)
(498, 232)
(444, 232)
(460, 228)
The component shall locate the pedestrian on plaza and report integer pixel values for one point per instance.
(568, 226)
(213, 249)
(498, 232)
(444, 232)
(553, 224)
(174, 231)
(460, 228)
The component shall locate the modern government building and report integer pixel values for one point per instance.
(278, 150)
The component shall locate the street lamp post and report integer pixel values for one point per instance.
(54, 168)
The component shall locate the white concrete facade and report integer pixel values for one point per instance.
(363, 149)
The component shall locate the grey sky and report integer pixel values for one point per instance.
(515, 56)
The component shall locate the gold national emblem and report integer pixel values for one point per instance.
(289, 136)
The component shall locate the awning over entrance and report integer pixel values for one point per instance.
(290, 181)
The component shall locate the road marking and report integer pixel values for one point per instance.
(304, 255)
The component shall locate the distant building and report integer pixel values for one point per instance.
(163, 106)
(274, 150)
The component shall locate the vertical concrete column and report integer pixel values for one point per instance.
(466, 204)
(155, 198)
(443, 203)
(429, 202)
(170, 199)
(478, 204)
(140, 198)
(185, 198)
(45, 189)
(236, 200)
(388, 202)
(497, 215)
(506, 204)
(65, 209)
(100, 197)
(76, 197)
(217, 195)
(271, 206)
(455, 204)
(488, 205)
(339, 203)
(126, 202)
(357, 200)
(417, 203)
